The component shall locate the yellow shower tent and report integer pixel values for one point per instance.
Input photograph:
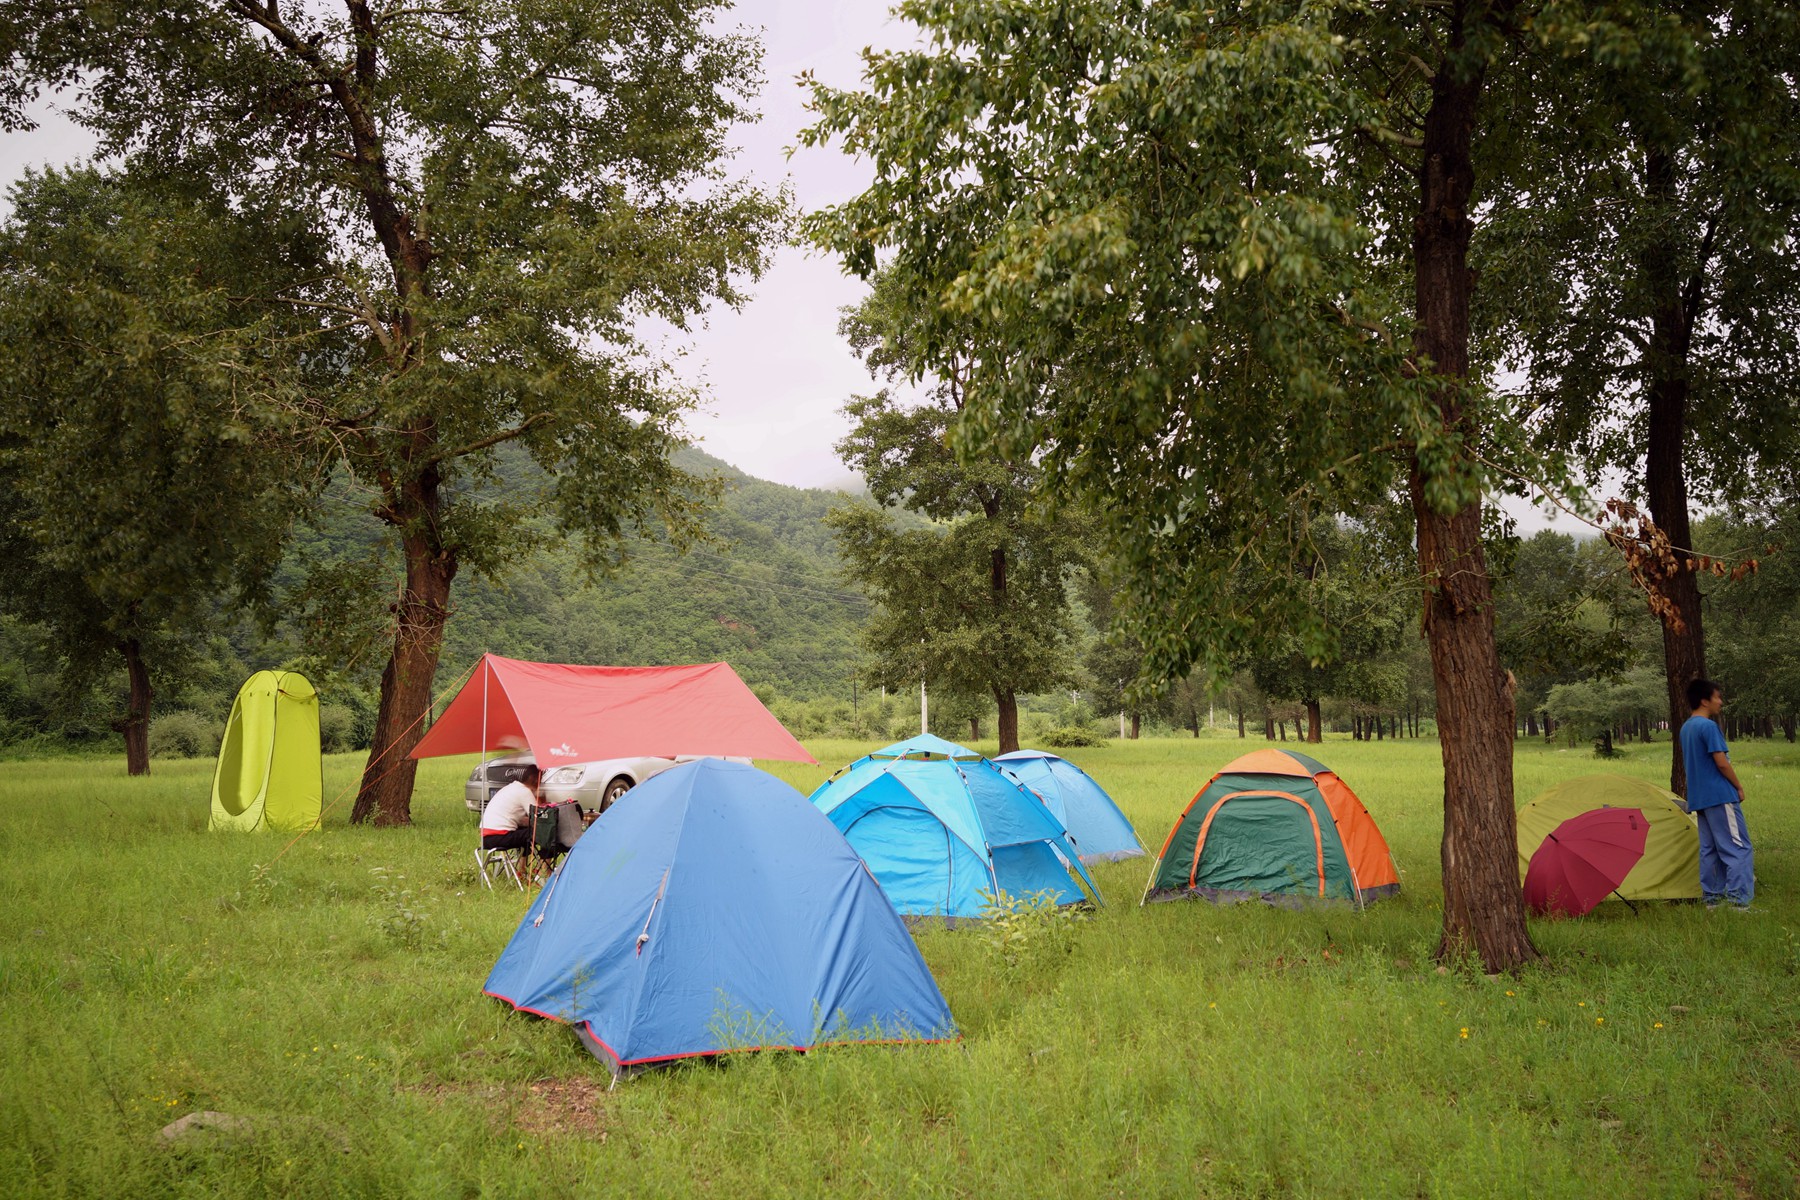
(269, 772)
(1670, 868)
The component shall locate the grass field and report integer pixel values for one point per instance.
(150, 970)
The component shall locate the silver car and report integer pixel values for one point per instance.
(500, 772)
(593, 785)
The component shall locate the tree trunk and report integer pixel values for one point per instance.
(1137, 720)
(1315, 728)
(1006, 723)
(974, 729)
(136, 723)
(1484, 910)
(387, 782)
(1379, 731)
(1644, 730)
(1665, 475)
(1005, 699)
(1787, 726)
(1241, 722)
(1269, 726)
(1281, 727)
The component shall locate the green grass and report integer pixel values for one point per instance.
(150, 969)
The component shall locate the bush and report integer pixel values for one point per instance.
(184, 734)
(1064, 736)
(1029, 931)
(337, 728)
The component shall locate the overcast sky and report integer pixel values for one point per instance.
(775, 374)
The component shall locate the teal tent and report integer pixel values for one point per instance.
(1096, 826)
(938, 825)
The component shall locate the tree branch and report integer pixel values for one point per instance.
(394, 14)
(1693, 295)
(494, 439)
(1383, 134)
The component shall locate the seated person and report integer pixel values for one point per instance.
(506, 821)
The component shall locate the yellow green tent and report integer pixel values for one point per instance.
(1670, 868)
(269, 772)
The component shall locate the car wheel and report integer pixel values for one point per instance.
(619, 785)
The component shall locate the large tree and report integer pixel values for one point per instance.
(509, 188)
(1645, 276)
(148, 470)
(975, 602)
(1364, 599)
(978, 604)
(1226, 252)
(1563, 612)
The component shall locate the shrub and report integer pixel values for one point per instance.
(1064, 736)
(337, 728)
(184, 734)
(1029, 931)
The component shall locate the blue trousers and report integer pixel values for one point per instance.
(1725, 866)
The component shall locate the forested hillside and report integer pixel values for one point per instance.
(764, 595)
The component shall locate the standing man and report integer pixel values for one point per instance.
(1716, 798)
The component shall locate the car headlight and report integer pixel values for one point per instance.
(563, 776)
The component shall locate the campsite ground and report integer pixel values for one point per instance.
(150, 970)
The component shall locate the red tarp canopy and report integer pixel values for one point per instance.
(570, 714)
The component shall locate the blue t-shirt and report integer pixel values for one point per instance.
(1707, 785)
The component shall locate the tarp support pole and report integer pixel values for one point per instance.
(486, 789)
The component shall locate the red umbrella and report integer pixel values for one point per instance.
(1584, 859)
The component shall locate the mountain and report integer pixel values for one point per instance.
(766, 597)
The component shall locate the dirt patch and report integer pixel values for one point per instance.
(573, 1105)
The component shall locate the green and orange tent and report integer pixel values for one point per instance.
(1277, 826)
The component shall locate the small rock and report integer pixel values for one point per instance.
(195, 1122)
(1443, 970)
(1679, 1008)
(1612, 1124)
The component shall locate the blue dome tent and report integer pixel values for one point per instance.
(1096, 826)
(713, 910)
(938, 825)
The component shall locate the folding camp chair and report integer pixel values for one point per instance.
(499, 864)
(551, 837)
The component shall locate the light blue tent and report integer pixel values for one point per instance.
(939, 824)
(712, 909)
(1095, 824)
